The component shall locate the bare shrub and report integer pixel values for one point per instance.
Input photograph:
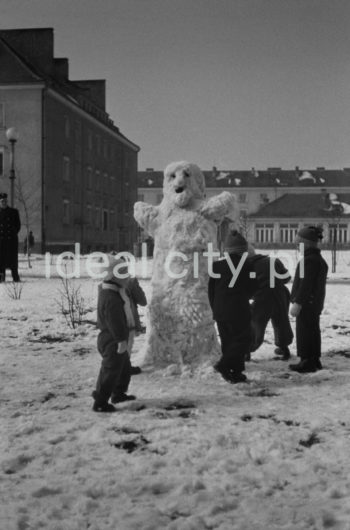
(71, 302)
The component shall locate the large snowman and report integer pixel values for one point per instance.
(180, 327)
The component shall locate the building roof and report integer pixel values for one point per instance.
(269, 178)
(25, 62)
(306, 205)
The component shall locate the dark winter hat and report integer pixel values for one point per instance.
(3, 195)
(311, 233)
(235, 243)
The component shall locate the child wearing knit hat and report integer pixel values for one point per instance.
(230, 305)
(307, 297)
(115, 322)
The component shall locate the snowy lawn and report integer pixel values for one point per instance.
(191, 453)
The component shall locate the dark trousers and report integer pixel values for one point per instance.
(235, 340)
(14, 272)
(308, 334)
(274, 306)
(115, 373)
(122, 384)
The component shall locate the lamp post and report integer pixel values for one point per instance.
(12, 136)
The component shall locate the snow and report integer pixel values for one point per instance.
(191, 453)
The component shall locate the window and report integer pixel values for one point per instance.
(159, 198)
(338, 233)
(105, 183)
(264, 198)
(97, 217)
(89, 140)
(111, 220)
(2, 115)
(141, 197)
(88, 215)
(112, 184)
(126, 159)
(98, 144)
(66, 168)
(243, 214)
(66, 127)
(1, 161)
(98, 183)
(105, 149)
(264, 233)
(242, 197)
(66, 213)
(105, 220)
(127, 206)
(288, 233)
(89, 178)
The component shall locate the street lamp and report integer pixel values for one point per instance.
(12, 136)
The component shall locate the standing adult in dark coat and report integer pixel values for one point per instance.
(229, 296)
(308, 295)
(270, 302)
(10, 225)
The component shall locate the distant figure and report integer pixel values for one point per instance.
(10, 225)
(307, 296)
(28, 243)
(270, 303)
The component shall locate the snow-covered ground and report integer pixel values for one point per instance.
(191, 453)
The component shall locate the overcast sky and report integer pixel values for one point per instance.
(231, 83)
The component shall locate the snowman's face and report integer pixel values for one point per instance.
(183, 182)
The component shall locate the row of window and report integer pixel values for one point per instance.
(242, 198)
(95, 142)
(264, 233)
(96, 217)
(93, 177)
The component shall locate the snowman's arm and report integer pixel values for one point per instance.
(146, 216)
(220, 206)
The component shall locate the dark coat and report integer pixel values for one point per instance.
(261, 265)
(231, 303)
(270, 302)
(310, 291)
(10, 225)
(111, 319)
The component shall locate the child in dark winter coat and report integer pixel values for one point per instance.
(307, 296)
(270, 302)
(229, 296)
(115, 321)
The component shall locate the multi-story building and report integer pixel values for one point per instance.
(76, 173)
(273, 203)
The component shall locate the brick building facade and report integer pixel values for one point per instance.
(75, 171)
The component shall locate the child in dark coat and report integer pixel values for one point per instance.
(307, 296)
(115, 322)
(229, 299)
(270, 302)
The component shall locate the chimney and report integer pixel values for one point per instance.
(61, 68)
